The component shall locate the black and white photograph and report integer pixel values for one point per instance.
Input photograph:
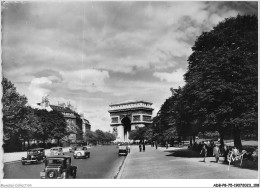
(129, 93)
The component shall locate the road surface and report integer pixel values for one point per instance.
(103, 163)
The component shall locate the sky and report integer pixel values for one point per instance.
(94, 54)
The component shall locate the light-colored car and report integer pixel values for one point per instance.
(81, 152)
(56, 151)
(123, 150)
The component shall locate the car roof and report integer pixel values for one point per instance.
(36, 149)
(59, 157)
(56, 148)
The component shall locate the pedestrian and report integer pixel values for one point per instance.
(166, 145)
(203, 152)
(143, 146)
(156, 145)
(225, 153)
(140, 146)
(216, 152)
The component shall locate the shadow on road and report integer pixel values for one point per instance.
(184, 153)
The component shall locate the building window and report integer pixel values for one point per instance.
(146, 118)
(136, 118)
(114, 119)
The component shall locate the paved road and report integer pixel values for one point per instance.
(103, 163)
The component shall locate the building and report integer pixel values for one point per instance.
(126, 116)
(76, 124)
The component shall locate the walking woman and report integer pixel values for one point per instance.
(203, 152)
(216, 152)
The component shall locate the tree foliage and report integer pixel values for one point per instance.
(222, 76)
(221, 87)
(14, 109)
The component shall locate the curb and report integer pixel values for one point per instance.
(121, 169)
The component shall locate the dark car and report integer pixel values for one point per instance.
(34, 156)
(81, 152)
(58, 167)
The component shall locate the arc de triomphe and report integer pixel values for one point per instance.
(126, 116)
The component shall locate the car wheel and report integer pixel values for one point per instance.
(23, 163)
(52, 174)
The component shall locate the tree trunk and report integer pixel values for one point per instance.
(28, 146)
(23, 145)
(190, 140)
(193, 137)
(237, 139)
(222, 139)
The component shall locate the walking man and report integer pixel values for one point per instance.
(143, 146)
(140, 146)
(203, 152)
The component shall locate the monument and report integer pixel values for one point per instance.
(126, 116)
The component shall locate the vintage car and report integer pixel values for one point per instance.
(34, 156)
(56, 151)
(123, 150)
(58, 167)
(81, 152)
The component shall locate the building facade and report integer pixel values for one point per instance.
(126, 116)
(76, 124)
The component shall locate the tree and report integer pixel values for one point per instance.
(222, 77)
(53, 125)
(14, 105)
(138, 134)
(14, 108)
(90, 136)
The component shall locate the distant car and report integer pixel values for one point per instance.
(56, 151)
(58, 167)
(34, 156)
(81, 152)
(123, 150)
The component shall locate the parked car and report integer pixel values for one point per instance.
(34, 156)
(56, 151)
(123, 150)
(81, 152)
(58, 167)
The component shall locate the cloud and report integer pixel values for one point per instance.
(94, 53)
(90, 80)
(40, 86)
(174, 77)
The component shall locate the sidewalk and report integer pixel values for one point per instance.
(16, 156)
(155, 164)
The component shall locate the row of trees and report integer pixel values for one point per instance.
(221, 87)
(23, 124)
(98, 137)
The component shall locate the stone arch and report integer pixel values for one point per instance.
(126, 122)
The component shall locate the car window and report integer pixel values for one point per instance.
(55, 161)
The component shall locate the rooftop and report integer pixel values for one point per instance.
(131, 102)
